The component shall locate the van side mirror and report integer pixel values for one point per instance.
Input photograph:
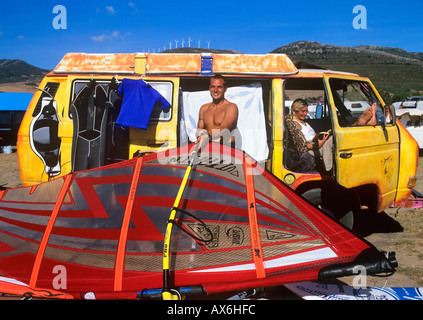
(394, 115)
(319, 111)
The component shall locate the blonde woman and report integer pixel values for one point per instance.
(304, 138)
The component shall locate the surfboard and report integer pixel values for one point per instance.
(323, 291)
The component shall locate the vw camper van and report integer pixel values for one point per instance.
(72, 122)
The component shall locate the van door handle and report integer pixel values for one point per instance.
(345, 155)
(158, 145)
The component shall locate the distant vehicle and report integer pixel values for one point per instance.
(357, 107)
(410, 113)
(12, 109)
(412, 119)
(413, 102)
(311, 109)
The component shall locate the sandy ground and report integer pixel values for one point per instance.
(18, 87)
(396, 229)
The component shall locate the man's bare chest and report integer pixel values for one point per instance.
(215, 115)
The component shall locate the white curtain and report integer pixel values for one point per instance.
(251, 118)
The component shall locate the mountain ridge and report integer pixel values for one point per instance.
(313, 47)
(392, 70)
(15, 70)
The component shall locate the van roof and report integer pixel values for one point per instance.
(184, 64)
(320, 72)
(176, 63)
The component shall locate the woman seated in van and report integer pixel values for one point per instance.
(311, 152)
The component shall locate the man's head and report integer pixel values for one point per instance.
(217, 87)
(219, 76)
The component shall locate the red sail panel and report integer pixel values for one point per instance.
(252, 216)
(125, 226)
(44, 240)
(107, 234)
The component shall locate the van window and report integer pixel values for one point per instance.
(165, 88)
(312, 90)
(48, 91)
(352, 98)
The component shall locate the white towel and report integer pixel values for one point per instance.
(251, 118)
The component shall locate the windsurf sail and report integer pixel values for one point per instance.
(100, 232)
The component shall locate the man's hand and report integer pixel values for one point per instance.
(202, 138)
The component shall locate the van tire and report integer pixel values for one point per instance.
(337, 205)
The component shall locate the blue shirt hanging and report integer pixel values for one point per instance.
(139, 99)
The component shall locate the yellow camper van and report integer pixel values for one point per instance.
(72, 123)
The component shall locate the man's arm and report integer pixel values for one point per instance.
(200, 123)
(201, 132)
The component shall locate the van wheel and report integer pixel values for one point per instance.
(335, 204)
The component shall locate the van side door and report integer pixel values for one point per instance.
(366, 152)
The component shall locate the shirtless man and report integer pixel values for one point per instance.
(218, 118)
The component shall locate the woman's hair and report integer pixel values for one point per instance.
(297, 105)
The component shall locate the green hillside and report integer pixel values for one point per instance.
(392, 70)
(18, 71)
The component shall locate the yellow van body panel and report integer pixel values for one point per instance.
(409, 153)
(277, 128)
(30, 166)
(375, 164)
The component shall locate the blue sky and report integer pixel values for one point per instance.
(103, 26)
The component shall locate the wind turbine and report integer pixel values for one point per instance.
(176, 44)
(208, 44)
(199, 42)
(189, 42)
(183, 42)
(170, 45)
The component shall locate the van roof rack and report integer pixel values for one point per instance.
(204, 64)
